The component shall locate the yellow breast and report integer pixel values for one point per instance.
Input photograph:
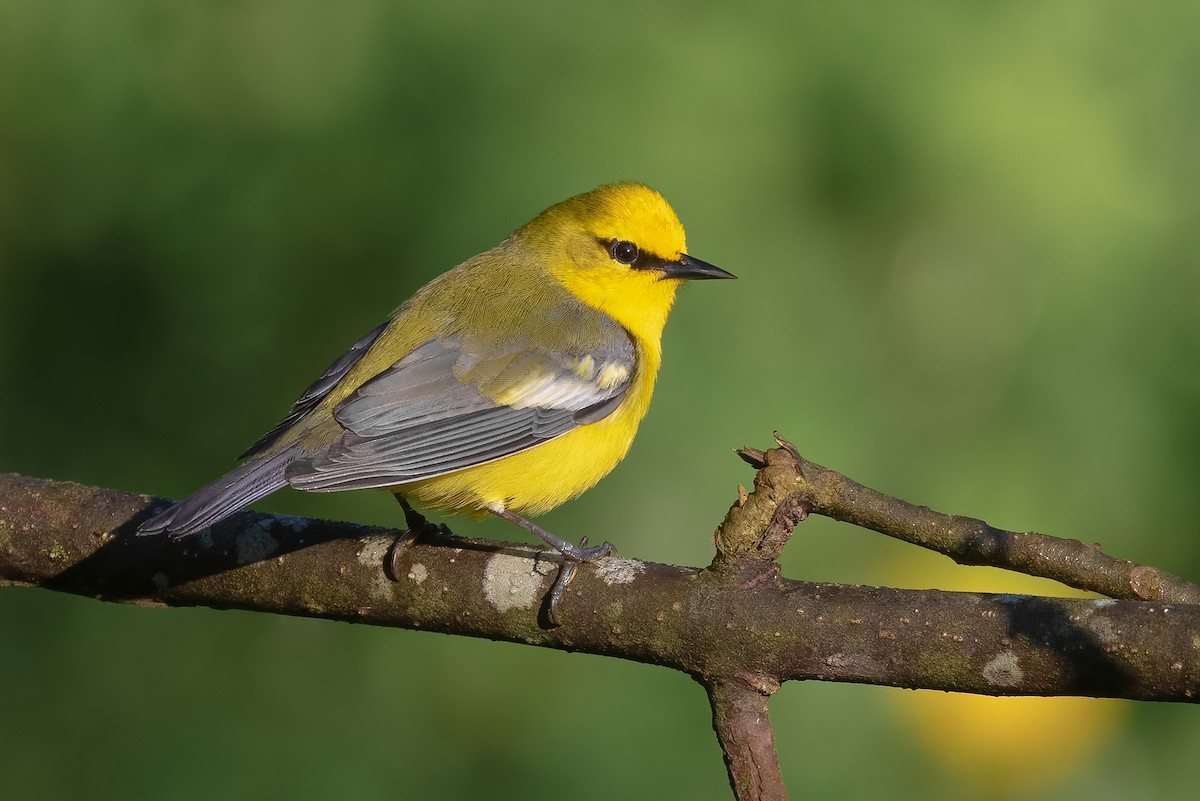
(541, 478)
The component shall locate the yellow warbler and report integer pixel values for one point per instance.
(511, 383)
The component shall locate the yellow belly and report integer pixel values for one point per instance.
(541, 478)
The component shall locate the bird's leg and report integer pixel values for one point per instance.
(575, 553)
(418, 527)
(572, 556)
(415, 521)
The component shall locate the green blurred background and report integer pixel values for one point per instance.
(967, 241)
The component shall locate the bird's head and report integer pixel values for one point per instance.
(621, 249)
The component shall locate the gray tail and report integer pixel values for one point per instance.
(230, 493)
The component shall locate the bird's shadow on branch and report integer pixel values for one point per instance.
(129, 566)
(1045, 622)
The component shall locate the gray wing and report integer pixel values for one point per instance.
(445, 407)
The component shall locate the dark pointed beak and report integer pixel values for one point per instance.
(692, 269)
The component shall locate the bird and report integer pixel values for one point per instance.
(506, 386)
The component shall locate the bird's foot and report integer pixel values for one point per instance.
(573, 556)
(582, 553)
(419, 528)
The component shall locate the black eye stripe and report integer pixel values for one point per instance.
(643, 261)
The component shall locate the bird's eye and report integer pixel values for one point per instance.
(623, 252)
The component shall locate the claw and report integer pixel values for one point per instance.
(566, 572)
(573, 557)
(391, 563)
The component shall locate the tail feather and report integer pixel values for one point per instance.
(230, 493)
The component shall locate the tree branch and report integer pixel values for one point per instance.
(736, 626)
(747, 740)
(964, 539)
(720, 622)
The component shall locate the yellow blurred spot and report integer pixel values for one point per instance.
(1002, 747)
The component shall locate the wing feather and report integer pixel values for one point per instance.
(445, 407)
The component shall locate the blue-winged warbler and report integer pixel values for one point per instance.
(509, 384)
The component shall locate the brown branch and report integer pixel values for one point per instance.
(964, 539)
(744, 730)
(734, 621)
(736, 626)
